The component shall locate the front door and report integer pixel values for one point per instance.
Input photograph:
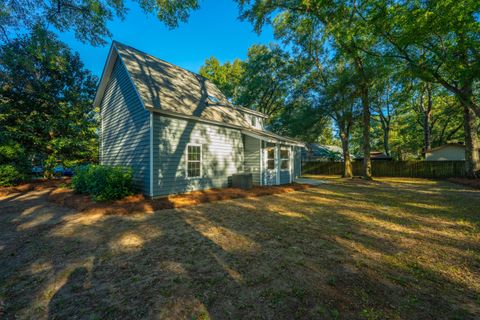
(270, 156)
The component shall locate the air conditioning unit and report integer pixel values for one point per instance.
(242, 180)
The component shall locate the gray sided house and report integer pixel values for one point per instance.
(178, 131)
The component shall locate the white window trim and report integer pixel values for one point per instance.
(281, 159)
(274, 158)
(186, 161)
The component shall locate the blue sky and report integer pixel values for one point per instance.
(213, 30)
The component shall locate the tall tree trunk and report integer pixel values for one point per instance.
(367, 163)
(386, 135)
(386, 142)
(427, 116)
(472, 161)
(347, 163)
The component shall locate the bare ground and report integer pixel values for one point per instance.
(348, 249)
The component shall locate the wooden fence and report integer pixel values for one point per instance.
(413, 169)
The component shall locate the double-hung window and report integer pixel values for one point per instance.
(194, 161)
(285, 159)
(271, 158)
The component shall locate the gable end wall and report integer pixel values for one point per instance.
(125, 136)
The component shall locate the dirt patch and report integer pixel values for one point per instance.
(138, 203)
(397, 249)
(39, 184)
(473, 183)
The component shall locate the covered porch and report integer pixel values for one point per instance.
(271, 159)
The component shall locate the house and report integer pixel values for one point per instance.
(178, 132)
(316, 152)
(376, 156)
(447, 152)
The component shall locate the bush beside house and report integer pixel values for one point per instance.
(13, 164)
(103, 182)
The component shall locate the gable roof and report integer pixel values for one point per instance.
(163, 86)
(452, 144)
(166, 88)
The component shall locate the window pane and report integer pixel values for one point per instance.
(271, 153)
(194, 153)
(284, 153)
(285, 164)
(271, 164)
(193, 169)
(254, 121)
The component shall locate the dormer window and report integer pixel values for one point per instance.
(213, 99)
(254, 121)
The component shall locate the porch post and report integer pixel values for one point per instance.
(261, 163)
(277, 162)
(291, 157)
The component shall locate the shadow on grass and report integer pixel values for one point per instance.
(338, 251)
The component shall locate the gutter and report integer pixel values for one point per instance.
(265, 136)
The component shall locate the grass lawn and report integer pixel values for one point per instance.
(389, 249)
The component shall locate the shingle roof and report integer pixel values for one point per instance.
(167, 87)
(164, 87)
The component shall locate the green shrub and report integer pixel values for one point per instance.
(10, 175)
(14, 165)
(103, 182)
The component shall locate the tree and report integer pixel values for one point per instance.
(302, 119)
(268, 79)
(262, 82)
(46, 99)
(227, 77)
(341, 103)
(87, 19)
(438, 41)
(313, 26)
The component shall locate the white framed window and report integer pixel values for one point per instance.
(285, 159)
(193, 166)
(271, 158)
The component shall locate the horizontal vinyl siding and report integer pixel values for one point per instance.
(125, 128)
(297, 162)
(222, 155)
(252, 158)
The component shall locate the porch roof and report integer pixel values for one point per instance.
(271, 137)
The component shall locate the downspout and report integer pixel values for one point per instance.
(151, 154)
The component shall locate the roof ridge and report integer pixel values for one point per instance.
(189, 71)
(164, 61)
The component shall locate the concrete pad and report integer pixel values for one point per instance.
(313, 182)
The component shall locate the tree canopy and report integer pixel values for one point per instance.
(87, 19)
(46, 99)
(435, 42)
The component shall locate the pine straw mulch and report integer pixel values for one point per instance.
(138, 203)
(38, 184)
(473, 183)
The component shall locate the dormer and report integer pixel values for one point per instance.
(253, 117)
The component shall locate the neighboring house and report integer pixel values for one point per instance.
(178, 131)
(447, 152)
(316, 152)
(376, 156)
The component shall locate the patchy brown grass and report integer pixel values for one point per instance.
(138, 203)
(473, 183)
(348, 249)
(39, 184)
